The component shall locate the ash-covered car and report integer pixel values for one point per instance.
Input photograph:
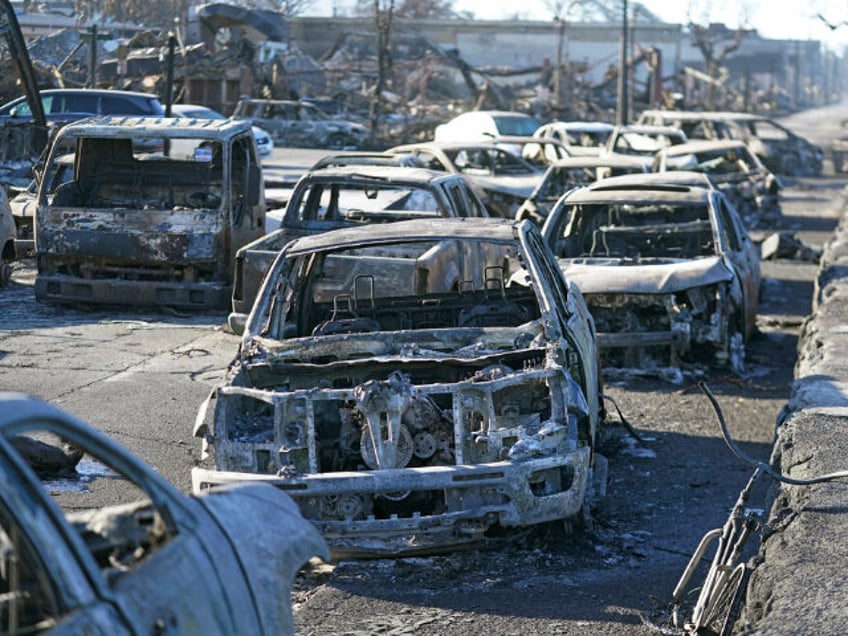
(781, 150)
(581, 138)
(565, 174)
(94, 541)
(667, 269)
(24, 202)
(414, 386)
(733, 168)
(501, 178)
(329, 198)
(299, 123)
(642, 141)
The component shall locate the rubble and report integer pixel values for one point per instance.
(785, 245)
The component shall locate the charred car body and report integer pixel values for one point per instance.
(329, 198)
(413, 385)
(299, 123)
(735, 170)
(148, 227)
(565, 174)
(501, 178)
(581, 138)
(642, 141)
(94, 541)
(667, 269)
(781, 150)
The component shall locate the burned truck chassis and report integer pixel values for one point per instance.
(383, 459)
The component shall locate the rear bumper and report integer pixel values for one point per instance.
(69, 289)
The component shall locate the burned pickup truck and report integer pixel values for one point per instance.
(328, 198)
(413, 386)
(152, 215)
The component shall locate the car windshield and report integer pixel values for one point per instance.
(639, 230)
(518, 126)
(646, 144)
(357, 203)
(406, 285)
(587, 137)
(488, 162)
(201, 113)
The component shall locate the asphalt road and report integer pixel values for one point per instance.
(140, 377)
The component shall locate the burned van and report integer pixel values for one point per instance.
(152, 215)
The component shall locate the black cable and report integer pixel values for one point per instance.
(762, 465)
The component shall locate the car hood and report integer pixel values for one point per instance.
(613, 276)
(520, 186)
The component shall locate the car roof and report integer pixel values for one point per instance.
(700, 145)
(650, 128)
(187, 107)
(496, 113)
(524, 139)
(654, 179)
(698, 115)
(106, 126)
(96, 91)
(366, 172)
(263, 100)
(365, 158)
(495, 229)
(482, 144)
(599, 161)
(596, 126)
(604, 192)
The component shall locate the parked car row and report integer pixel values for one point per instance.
(417, 376)
(390, 376)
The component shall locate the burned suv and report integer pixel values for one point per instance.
(667, 269)
(413, 386)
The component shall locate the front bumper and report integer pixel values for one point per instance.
(476, 497)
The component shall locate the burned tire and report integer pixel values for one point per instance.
(336, 142)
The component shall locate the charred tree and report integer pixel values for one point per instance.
(383, 14)
(715, 42)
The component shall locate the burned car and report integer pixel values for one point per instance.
(565, 174)
(780, 149)
(24, 201)
(152, 213)
(580, 138)
(667, 269)
(94, 541)
(735, 170)
(642, 141)
(414, 386)
(328, 198)
(502, 179)
(300, 123)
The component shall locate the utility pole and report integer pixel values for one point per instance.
(623, 116)
(560, 22)
(92, 57)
